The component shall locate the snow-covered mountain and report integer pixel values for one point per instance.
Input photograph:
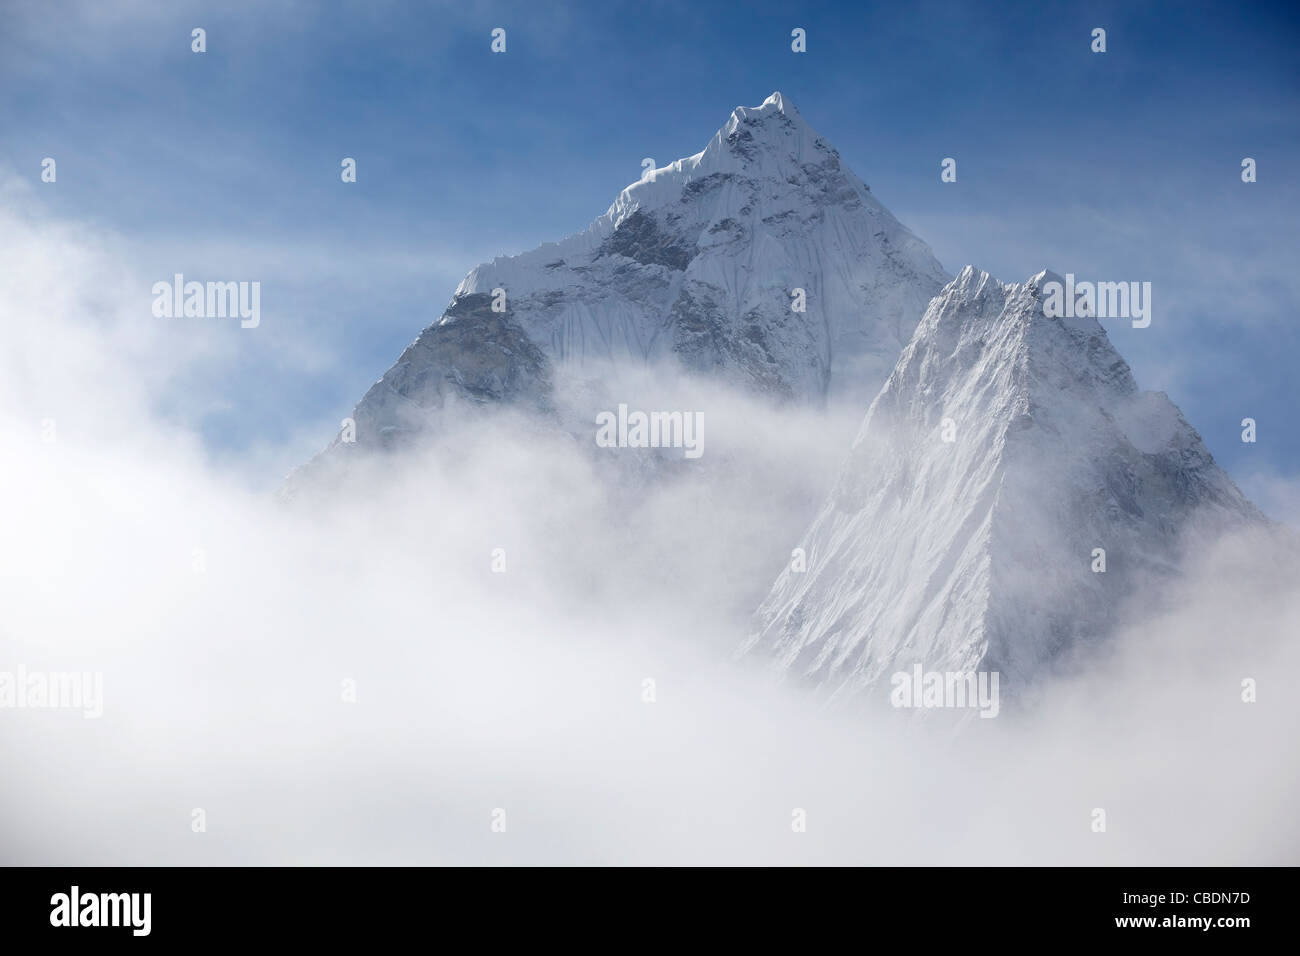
(696, 265)
(1004, 454)
(1005, 447)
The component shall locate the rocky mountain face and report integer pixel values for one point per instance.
(1006, 458)
(760, 261)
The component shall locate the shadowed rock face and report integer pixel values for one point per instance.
(639, 238)
(708, 339)
(475, 361)
(475, 356)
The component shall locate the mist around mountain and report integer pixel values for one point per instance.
(1009, 490)
(496, 618)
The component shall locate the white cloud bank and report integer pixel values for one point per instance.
(523, 690)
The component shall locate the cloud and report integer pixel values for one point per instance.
(225, 627)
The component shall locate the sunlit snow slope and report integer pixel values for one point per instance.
(977, 553)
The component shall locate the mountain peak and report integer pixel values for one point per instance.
(776, 103)
(975, 306)
(769, 135)
(760, 261)
(1006, 448)
(766, 185)
(972, 282)
(1044, 276)
(771, 140)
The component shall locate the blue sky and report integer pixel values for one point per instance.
(1123, 165)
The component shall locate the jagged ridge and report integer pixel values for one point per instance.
(976, 553)
(694, 265)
